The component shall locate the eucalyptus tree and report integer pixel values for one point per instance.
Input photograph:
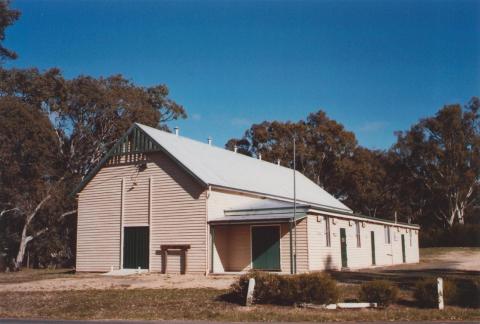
(85, 115)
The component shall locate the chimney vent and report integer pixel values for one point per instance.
(278, 161)
(235, 148)
(260, 156)
(176, 130)
(209, 139)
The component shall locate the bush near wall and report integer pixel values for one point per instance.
(467, 235)
(426, 293)
(271, 288)
(468, 293)
(382, 292)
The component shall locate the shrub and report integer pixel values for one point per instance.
(426, 293)
(382, 292)
(317, 288)
(468, 293)
(287, 289)
(467, 235)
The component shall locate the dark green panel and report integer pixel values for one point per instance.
(343, 245)
(372, 238)
(135, 247)
(266, 248)
(404, 257)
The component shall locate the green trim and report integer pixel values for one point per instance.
(140, 143)
(115, 149)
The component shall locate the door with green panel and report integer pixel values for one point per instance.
(266, 248)
(372, 241)
(135, 247)
(343, 246)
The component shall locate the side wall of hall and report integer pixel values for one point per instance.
(359, 254)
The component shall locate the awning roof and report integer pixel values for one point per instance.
(263, 215)
(286, 214)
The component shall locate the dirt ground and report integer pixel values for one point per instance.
(463, 259)
(142, 281)
(439, 259)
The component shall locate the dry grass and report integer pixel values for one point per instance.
(189, 304)
(431, 253)
(28, 275)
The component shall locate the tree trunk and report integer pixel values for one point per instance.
(21, 249)
(24, 239)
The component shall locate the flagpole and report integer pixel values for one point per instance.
(295, 204)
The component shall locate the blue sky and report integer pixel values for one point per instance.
(374, 66)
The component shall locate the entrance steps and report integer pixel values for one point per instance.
(125, 272)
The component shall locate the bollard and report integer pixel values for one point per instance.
(440, 293)
(251, 287)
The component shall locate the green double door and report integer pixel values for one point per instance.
(135, 247)
(266, 248)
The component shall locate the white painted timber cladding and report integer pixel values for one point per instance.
(322, 257)
(178, 214)
(232, 250)
(98, 224)
(219, 201)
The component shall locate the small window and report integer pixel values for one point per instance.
(327, 230)
(387, 234)
(410, 235)
(357, 229)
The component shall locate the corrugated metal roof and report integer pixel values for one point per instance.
(223, 168)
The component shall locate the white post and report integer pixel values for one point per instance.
(440, 293)
(251, 288)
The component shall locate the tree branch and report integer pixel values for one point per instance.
(5, 211)
(71, 212)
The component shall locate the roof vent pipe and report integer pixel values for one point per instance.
(278, 161)
(235, 148)
(209, 139)
(176, 130)
(260, 156)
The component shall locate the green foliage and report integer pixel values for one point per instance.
(8, 16)
(468, 293)
(467, 235)
(271, 288)
(382, 292)
(54, 132)
(430, 176)
(426, 293)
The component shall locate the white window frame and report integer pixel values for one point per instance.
(328, 241)
(388, 238)
(357, 232)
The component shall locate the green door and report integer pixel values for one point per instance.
(135, 247)
(404, 257)
(343, 245)
(266, 248)
(372, 240)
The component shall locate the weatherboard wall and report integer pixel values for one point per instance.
(163, 196)
(322, 257)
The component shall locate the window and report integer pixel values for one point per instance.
(327, 230)
(410, 235)
(387, 234)
(357, 230)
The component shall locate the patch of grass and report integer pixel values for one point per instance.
(431, 253)
(189, 304)
(27, 275)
